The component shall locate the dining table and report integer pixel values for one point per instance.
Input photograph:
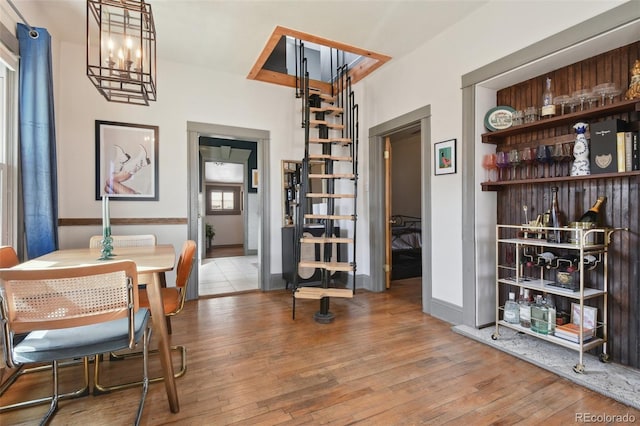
(150, 260)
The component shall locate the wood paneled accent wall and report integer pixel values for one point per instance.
(622, 208)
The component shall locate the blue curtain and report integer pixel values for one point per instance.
(37, 142)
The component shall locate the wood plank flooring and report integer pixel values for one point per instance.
(381, 362)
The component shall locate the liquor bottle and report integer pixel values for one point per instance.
(589, 262)
(525, 308)
(512, 310)
(591, 215)
(553, 236)
(548, 108)
(545, 259)
(539, 316)
(551, 307)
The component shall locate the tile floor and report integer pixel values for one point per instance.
(225, 275)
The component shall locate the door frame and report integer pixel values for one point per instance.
(262, 137)
(377, 225)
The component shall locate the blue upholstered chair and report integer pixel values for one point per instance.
(72, 312)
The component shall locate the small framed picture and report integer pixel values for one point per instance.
(444, 157)
(126, 161)
(590, 316)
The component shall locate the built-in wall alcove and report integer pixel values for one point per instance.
(599, 50)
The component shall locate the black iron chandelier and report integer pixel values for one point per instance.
(121, 50)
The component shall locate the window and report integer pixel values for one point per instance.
(8, 149)
(223, 200)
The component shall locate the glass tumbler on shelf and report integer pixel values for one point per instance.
(517, 118)
(530, 114)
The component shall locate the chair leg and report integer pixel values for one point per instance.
(54, 399)
(83, 391)
(99, 389)
(145, 373)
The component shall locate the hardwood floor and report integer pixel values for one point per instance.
(381, 362)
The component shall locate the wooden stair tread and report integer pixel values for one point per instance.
(316, 123)
(330, 109)
(325, 195)
(324, 96)
(329, 266)
(319, 293)
(344, 141)
(330, 216)
(320, 240)
(332, 176)
(329, 157)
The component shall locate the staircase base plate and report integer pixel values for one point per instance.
(324, 318)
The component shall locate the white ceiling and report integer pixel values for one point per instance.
(228, 35)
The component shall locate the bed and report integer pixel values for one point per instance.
(406, 247)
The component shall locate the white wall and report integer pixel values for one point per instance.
(431, 75)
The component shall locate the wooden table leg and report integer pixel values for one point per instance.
(160, 327)
(163, 284)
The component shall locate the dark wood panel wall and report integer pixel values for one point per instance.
(576, 196)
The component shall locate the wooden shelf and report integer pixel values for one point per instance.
(499, 136)
(498, 185)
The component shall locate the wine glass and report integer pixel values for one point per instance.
(557, 156)
(514, 161)
(582, 96)
(502, 161)
(613, 93)
(562, 101)
(603, 91)
(527, 158)
(543, 156)
(489, 163)
(567, 155)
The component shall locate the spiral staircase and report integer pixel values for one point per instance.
(329, 181)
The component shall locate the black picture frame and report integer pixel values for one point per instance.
(444, 157)
(126, 161)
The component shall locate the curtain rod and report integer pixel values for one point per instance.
(33, 33)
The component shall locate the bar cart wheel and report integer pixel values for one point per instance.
(578, 368)
(494, 336)
(604, 358)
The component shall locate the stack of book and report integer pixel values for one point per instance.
(572, 332)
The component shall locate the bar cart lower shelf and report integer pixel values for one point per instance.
(587, 345)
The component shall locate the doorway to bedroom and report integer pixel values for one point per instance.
(404, 198)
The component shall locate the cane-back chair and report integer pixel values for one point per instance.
(72, 312)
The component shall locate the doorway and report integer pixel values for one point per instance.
(378, 224)
(229, 257)
(403, 205)
(258, 232)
